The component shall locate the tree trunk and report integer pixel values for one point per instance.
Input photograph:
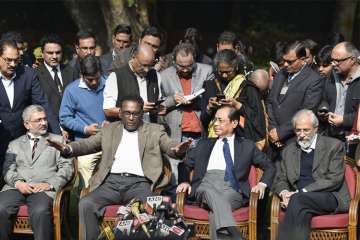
(345, 15)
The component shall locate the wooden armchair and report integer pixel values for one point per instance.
(245, 216)
(332, 226)
(60, 211)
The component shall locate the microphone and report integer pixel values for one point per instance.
(136, 212)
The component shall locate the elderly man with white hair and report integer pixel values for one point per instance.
(311, 178)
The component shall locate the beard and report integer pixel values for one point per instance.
(306, 143)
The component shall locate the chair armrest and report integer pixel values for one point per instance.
(353, 211)
(275, 209)
(180, 202)
(253, 203)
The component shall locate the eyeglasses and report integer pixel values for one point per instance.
(305, 131)
(221, 121)
(37, 121)
(290, 62)
(226, 72)
(128, 114)
(9, 61)
(339, 61)
(190, 66)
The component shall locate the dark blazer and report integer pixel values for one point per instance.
(49, 86)
(75, 64)
(328, 170)
(106, 61)
(304, 91)
(153, 143)
(245, 155)
(352, 99)
(27, 91)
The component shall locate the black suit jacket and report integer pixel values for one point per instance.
(27, 91)
(245, 155)
(106, 61)
(49, 86)
(304, 91)
(351, 100)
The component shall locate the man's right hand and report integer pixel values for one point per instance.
(92, 129)
(213, 104)
(63, 148)
(24, 187)
(323, 116)
(184, 187)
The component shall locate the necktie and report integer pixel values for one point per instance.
(229, 170)
(36, 140)
(57, 80)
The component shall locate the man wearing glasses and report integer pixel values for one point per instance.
(295, 87)
(85, 45)
(19, 88)
(137, 77)
(342, 91)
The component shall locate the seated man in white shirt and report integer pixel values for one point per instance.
(221, 170)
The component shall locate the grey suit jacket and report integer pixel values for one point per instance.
(47, 165)
(328, 170)
(170, 83)
(153, 142)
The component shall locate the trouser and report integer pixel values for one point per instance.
(116, 189)
(302, 207)
(40, 208)
(220, 198)
(86, 166)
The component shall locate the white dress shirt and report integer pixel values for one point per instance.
(9, 88)
(217, 159)
(127, 156)
(52, 72)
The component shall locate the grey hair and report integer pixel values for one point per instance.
(26, 115)
(350, 48)
(306, 112)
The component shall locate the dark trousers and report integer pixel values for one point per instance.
(40, 208)
(302, 207)
(116, 189)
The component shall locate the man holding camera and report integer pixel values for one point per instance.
(341, 92)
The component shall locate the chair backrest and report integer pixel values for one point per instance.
(350, 179)
(252, 176)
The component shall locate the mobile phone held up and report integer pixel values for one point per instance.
(159, 101)
(220, 97)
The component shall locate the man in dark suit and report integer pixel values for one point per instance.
(311, 178)
(131, 164)
(121, 39)
(221, 170)
(295, 87)
(137, 77)
(54, 76)
(19, 88)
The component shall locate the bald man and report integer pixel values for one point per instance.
(252, 107)
(138, 77)
(341, 92)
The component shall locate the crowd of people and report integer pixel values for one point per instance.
(126, 116)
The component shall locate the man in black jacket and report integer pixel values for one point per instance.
(342, 91)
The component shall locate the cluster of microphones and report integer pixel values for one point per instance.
(156, 219)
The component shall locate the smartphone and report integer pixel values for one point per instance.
(159, 101)
(220, 97)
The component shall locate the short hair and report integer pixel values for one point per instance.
(132, 98)
(83, 34)
(192, 35)
(151, 31)
(306, 112)
(51, 38)
(186, 48)
(299, 48)
(350, 48)
(324, 55)
(311, 45)
(234, 114)
(278, 52)
(227, 56)
(14, 36)
(7, 43)
(227, 37)
(90, 65)
(122, 28)
(26, 115)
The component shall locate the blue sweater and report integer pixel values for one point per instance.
(81, 106)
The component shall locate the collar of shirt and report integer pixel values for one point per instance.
(113, 54)
(136, 75)
(50, 69)
(229, 138)
(312, 146)
(82, 84)
(7, 81)
(32, 136)
(295, 74)
(354, 76)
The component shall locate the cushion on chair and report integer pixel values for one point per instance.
(326, 221)
(23, 211)
(350, 179)
(195, 212)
